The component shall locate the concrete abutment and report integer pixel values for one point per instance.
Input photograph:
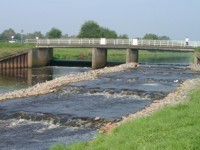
(37, 57)
(40, 57)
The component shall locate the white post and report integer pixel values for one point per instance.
(37, 40)
(135, 42)
(103, 41)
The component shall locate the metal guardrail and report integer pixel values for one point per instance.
(104, 41)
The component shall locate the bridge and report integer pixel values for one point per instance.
(132, 46)
(139, 44)
(43, 52)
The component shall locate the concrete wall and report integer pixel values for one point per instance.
(37, 57)
(40, 57)
(17, 61)
(99, 58)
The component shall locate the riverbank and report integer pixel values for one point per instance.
(50, 86)
(113, 55)
(172, 127)
(179, 96)
(9, 49)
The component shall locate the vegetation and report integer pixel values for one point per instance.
(175, 127)
(91, 29)
(72, 54)
(7, 49)
(8, 34)
(120, 55)
(151, 36)
(54, 33)
(197, 49)
(34, 35)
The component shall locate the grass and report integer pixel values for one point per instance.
(197, 49)
(172, 128)
(120, 55)
(72, 54)
(7, 49)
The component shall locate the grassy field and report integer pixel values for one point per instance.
(120, 55)
(172, 128)
(7, 49)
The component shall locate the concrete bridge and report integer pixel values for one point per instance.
(132, 46)
(43, 53)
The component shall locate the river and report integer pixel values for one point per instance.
(76, 111)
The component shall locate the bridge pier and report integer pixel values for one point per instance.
(99, 58)
(131, 55)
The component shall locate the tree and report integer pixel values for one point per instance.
(90, 29)
(163, 37)
(123, 36)
(34, 35)
(107, 33)
(7, 34)
(54, 33)
(150, 36)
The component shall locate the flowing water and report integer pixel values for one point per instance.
(76, 111)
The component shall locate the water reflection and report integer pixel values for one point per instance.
(14, 79)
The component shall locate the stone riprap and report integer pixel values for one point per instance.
(180, 95)
(50, 86)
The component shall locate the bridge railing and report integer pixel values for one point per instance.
(71, 41)
(168, 43)
(104, 41)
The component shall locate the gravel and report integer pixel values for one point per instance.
(176, 97)
(50, 86)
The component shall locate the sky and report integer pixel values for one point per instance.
(174, 18)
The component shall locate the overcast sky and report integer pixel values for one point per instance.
(173, 18)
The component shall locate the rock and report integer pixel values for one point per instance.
(97, 118)
(49, 86)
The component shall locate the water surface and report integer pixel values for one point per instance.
(69, 115)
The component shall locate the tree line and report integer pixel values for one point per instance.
(89, 29)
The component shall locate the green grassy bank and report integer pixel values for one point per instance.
(7, 49)
(172, 128)
(120, 55)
